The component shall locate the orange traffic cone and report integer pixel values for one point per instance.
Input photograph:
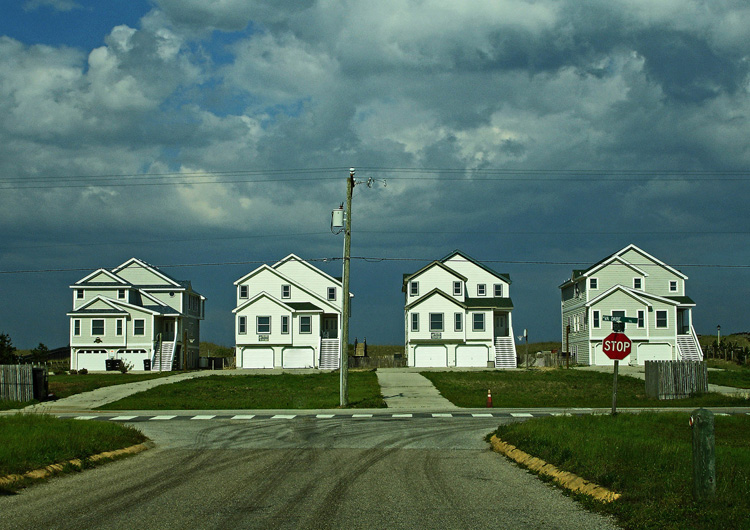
(489, 399)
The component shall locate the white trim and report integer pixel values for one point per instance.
(151, 268)
(99, 271)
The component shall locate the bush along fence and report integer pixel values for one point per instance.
(23, 382)
(676, 379)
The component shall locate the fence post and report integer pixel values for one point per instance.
(704, 454)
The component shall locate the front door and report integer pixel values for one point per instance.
(330, 328)
(169, 330)
(501, 325)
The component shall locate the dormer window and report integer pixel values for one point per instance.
(414, 288)
(121, 294)
(79, 294)
(456, 288)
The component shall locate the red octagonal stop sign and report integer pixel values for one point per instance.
(616, 346)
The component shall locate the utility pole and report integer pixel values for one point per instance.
(344, 371)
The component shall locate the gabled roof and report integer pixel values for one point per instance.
(151, 268)
(617, 256)
(408, 277)
(434, 292)
(97, 272)
(468, 303)
(263, 295)
(642, 296)
(503, 276)
(117, 307)
(294, 257)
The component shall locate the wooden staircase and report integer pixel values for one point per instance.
(505, 353)
(163, 361)
(329, 354)
(689, 348)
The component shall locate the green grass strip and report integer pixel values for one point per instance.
(556, 388)
(648, 459)
(31, 441)
(282, 391)
(65, 385)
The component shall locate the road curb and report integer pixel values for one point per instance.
(52, 469)
(565, 479)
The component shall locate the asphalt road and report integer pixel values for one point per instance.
(426, 473)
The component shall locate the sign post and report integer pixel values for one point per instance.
(616, 346)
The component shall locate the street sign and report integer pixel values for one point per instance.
(616, 346)
(617, 318)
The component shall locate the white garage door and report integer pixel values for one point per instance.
(471, 356)
(257, 358)
(429, 356)
(654, 352)
(92, 360)
(298, 358)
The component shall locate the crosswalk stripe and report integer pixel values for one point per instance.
(361, 415)
(402, 415)
(122, 418)
(162, 417)
(243, 416)
(204, 417)
(440, 415)
(324, 416)
(521, 415)
(283, 417)
(84, 417)
(481, 416)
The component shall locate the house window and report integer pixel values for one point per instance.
(414, 288)
(263, 325)
(284, 324)
(596, 318)
(97, 326)
(641, 318)
(672, 286)
(243, 291)
(242, 325)
(436, 322)
(77, 327)
(481, 289)
(332, 293)
(139, 326)
(458, 321)
(498, 290)
(661, 319)
(593, 283)
(456, 288)
(477, 322)
(415, 321)
(617, 314)
(637, 283)
(286, 291)
(305, 324)
(118, 331)
(79, 294)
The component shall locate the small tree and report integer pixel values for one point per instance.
(40, 353)
(7, 350)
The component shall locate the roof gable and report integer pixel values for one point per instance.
(503, 276)
(295, 258)
(641, 296)
(434, 292)
(143, 269)
(102, 276)
(263, 296)
(409, 277)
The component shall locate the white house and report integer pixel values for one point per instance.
(458, 313)
(288, 315)
(634, 284)
(134, 312)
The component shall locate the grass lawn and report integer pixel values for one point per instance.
(283, 391)
(648, 459)
(10, 405)
(556, 388)
(31, 441)
(65, 385)
(731, 374)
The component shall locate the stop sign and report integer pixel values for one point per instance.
(616, 346)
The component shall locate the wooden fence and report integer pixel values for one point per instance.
(380, 361)
(16, 382)
(675, 379)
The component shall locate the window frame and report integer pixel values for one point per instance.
(244, 292)
(286, 291)
(285, 324)
(76, 327)
(638, 283)
(593, 284)
(242, 325)
(458, 288)
(641, 315)
(442, 322)
(258, 324)
(597, 319)
(305, 321)
(481, 289)
(676, 286)
(79, 294)
(458, 322)
(413, 288)
(331, 294)
(624, 314)
(414, 323)
(118, 327)
(121, 294)
(104, 327)
(474, 322)
(142, 326)
(665, 319)
(497, 290)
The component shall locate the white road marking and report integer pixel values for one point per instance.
(402, 415)
(84, 417)
(481, 415)
(439, 415)
(204, 417)
(324, 415)
(284, 417)
(521, 415)
(243, 417)
(361, 415)
(122, 418)
(162, 418)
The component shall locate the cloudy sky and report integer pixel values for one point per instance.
(208, 137)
